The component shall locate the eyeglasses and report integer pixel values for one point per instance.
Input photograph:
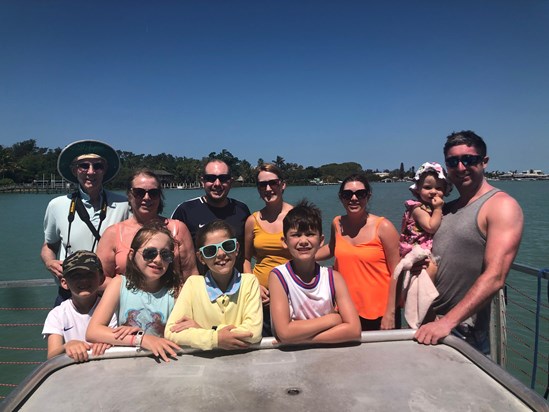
(272, 183)
(210, 251)
(212, 178)
(85, 166)
(360, 194)
(466, 160)
(140, 193)
(150, 254)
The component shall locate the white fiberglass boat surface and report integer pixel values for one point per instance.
(388, 371)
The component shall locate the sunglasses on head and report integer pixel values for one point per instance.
(210, 251)
(466, 160)
(140, 193)
(212, 178)
(150, 254)
(85, 166)
(360, 194)
(272, 183)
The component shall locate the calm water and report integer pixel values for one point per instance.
(21, 230)
(21, 236)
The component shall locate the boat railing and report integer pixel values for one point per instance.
(520, 324)
(520, 319)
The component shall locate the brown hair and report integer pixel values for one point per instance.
(135, 279)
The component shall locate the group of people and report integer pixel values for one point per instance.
(215, 276)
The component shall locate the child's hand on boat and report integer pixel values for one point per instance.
(77, 350)
(185, 323)
(99, 348)
(160, 347)
(232, 340)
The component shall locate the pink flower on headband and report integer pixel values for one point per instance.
(432, 167)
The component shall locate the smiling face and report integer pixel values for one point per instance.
(90, 172)
(356, 203)
(270, 187)
(145, 206)
(466, 177)
(302, 244)
(217, 183)
(82, 283)
(221, 265)
(153, 269)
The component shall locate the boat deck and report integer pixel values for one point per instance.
(387, 372)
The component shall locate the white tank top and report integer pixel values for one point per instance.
(308, 300)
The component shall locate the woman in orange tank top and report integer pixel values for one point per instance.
(365, 247)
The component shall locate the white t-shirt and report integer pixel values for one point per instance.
(66, 321)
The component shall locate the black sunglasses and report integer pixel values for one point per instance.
(210, 251)
(150, 254)
(466, 160)
(348, 194)
(140, 193)
(85, 166)
(212, 178)
(272, 183)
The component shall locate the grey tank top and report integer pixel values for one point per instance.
(460, 245)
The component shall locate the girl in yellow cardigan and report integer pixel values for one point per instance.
(221, 309)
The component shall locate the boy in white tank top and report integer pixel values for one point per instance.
(309, 303)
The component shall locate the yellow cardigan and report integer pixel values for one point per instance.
(242, 309)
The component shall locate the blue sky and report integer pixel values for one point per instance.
(374, 82)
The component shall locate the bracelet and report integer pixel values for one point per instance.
(139, 339)
(132, 340)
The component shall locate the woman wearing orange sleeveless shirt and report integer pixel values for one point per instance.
(365, 247)
(263, 234)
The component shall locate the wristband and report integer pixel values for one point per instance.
(138, 339)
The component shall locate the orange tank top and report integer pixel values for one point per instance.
(365, 271)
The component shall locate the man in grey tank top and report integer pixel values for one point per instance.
(477, 241)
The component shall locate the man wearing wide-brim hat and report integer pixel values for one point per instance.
(76, 221)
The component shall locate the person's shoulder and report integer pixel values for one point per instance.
(195, 279)
(502, 202)
(411, 204)
(248, 277)
(60, 200)
(195, 202)
(240, 205)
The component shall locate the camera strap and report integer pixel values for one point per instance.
(78, 207)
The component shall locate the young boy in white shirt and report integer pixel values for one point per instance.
(309, 303)
(66, 324)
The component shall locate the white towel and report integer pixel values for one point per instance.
(419, 291)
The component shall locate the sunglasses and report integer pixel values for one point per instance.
(466, 160)
(140, 193)
(85, 166)
(150, 254)
(272, 183)
(210, 251)
(348, 194)
(212, 178)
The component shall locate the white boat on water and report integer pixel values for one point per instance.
(387, 371)
(530, 174)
